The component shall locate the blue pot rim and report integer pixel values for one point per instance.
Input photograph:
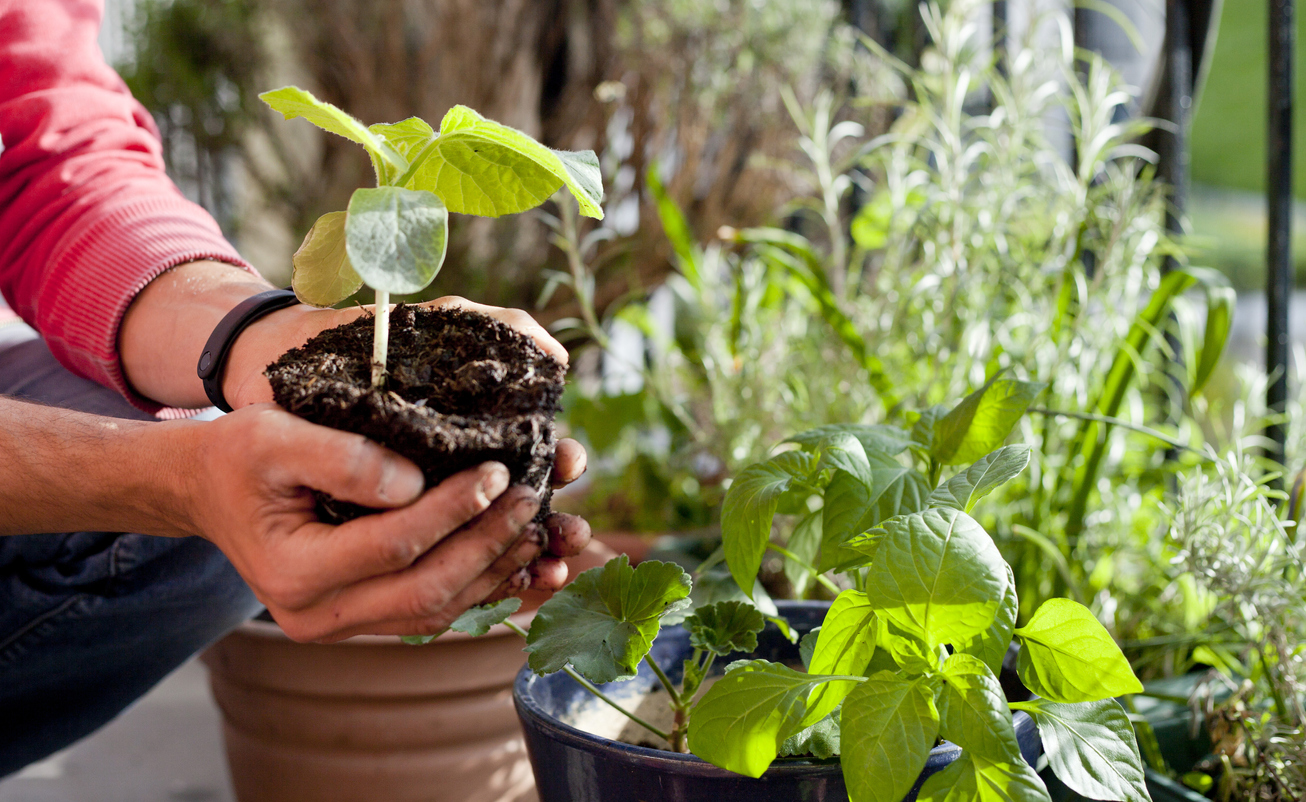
(689, 764)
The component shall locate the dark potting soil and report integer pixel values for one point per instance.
(462, 389)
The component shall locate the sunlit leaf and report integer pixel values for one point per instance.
(887, 729)
(1066, 655)
(1091, 748)
(396, 237)
(322, 275)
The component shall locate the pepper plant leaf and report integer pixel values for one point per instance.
(846, 642)
(322, 275)
(973, 711)
(982, 420)
(478, 166)
(1091, 748)
(886, 731)
(936, 573)
(396, 237)
(971, 778)
(922, 431)
(604, 622)
(749, 507)
(1066, 655)
(854, 505)
(742, 720)
(874, 437)
(805, 544)
(294, 102)
(725, 627)
(964, 490)
(991, 645)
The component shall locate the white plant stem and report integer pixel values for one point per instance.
(381, 340)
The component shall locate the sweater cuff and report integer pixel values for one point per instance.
(100, 268)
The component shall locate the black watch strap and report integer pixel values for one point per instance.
(214, 357)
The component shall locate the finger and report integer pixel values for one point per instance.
(516, 318)
(569, 462)
(568, 534)
(548, 574)
(426, 589)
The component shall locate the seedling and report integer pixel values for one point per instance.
(393, 236)
(907, 656)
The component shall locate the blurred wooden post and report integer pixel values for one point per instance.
(1278, 197)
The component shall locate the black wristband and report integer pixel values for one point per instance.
(214, 357)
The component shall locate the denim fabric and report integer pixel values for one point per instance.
(90, 621)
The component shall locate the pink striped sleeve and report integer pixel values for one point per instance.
(87, 214)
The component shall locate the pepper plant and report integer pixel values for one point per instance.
(910, 649)
(393, 236)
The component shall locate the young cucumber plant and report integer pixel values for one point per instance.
(393, 236)
(906, 656)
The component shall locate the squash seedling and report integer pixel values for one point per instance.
(393, 236)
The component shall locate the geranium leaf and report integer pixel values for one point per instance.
(604, 622)
(396, 237)
(750, 506)
(973, 711)
(886, 731)
(742, 720)
(982, 420)
(322, 275)
(938, 574)
(981, 478)
(1066, 655)
(478, 620)
(294, 102)
(1091, 748)
(725, 627)
(971, 778)
(821, 740)
(478, 166)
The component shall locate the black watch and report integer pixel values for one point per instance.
(214, 357)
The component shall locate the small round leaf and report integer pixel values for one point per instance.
(396, 237)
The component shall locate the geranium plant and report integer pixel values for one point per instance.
(908, 652)
(392, 237)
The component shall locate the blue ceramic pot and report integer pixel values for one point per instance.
(574, 766)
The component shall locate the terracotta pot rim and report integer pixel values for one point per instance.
(270, 630)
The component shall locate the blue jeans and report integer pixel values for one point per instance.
(90, 621)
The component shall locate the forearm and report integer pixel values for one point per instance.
(64, 471)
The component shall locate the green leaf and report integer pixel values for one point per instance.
(478, 166)
(841, 451)
(805, 544)
(409, 139)
(604, 622)
(693, 676)
(846, 642)
(852, 506)
(870, 228)
(1091, 748)
(991, 645)
(396, 237)
(725, 627)
(973, 711)
(1220, 303)
(971, 778)
(742, 720)
(322, 275)
(478, 620)
(294, 102)
(982, 420)
(922, 431)
(821, 740)
(876, 437)
(807, 647)
(965, 489)
(904, 650)
(1067, 656)
(718, 585)
(887, 729)
(937, 573)
(749, 507)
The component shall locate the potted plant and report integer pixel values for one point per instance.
(900, 673)
(448, 389)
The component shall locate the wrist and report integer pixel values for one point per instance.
(263, 342)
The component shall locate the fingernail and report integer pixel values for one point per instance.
(525, 508)
(520, 580)
(494, 480)
(400, 483)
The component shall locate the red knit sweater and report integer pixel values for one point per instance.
(87, 215)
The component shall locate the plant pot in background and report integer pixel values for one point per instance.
(572, 765)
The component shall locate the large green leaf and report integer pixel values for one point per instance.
(973, 711)
(965, 489)
(853, 505)
(294, 102)
(396, 237)
(725, 627)
(1066, 655)
(971, 778)
(805, 544)
(991, 645)
(846, 640)
(874, 437)
(742, 720)
(1091, 748)
(750, 506)
(982, 420)
(937, 573)
(478, 166)
(844, 452)
(922, 431)
(887, 729)
(322, 275)
(604, 622)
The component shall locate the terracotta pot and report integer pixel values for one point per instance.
(371, 719)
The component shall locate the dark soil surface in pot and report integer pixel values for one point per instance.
(462, 389)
